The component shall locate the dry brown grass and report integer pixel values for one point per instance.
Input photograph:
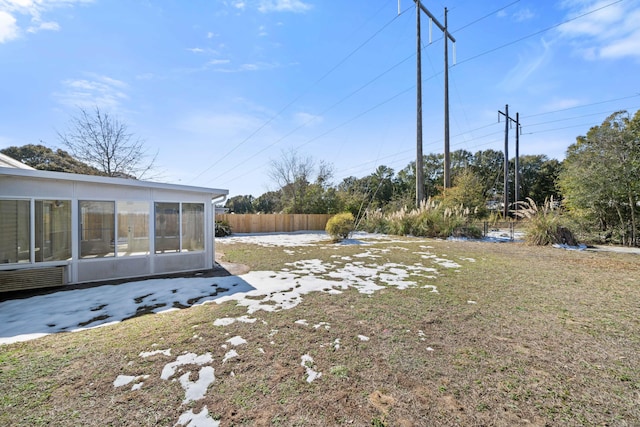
(552, 339)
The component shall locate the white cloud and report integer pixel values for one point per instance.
(13, 12)
(303, 119)
(219, 62)
(224, 66)
(47, 26)
(528, 63)
(627, 46)
(8, 28)
(297, 6)
(610, 32)
(523, 15)
(561, 104)
(219, 126)
(101, 91)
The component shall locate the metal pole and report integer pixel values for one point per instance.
(517, 174)
(419, 159)
(506, 162)
(447, 155)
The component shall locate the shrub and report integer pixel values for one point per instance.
(545, 224)
(373, 222)
(340, 226)
(431, 219)
(222, 228)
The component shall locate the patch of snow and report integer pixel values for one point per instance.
(571, 248)
(166, 352)
(447, 263)
(122, 380)
(201, 419)
(226, 321)
(196, 390)
(307, 364)
(237, 340)
(367, 254)
(186, 359)
(302, 238)
(229, 355)
(321, 324)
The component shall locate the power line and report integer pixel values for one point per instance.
(581, 106)
(325, 133)
(486, 16)
(404, 60)
(296, 99)
(537, 32)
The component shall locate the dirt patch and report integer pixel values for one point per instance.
(234, 269)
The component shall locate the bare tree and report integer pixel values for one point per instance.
(96, 138)
(292, 174)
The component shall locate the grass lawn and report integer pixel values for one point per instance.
(514, 335)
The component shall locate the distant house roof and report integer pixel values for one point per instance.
(10, 162)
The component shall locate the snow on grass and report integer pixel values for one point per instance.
(201, 419)
(307, 364)
(236, 341)
(72, 310)
(226, 321)
(79, 309)
(447, 263)
(196, 390)
(123, 380)
(166, 352)
(257, 290)
(302, 238)
(322, 324)
(229, 355)
(170, 369)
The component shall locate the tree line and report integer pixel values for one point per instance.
(597, 185)
(477, 178)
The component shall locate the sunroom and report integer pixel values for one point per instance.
(59, 228)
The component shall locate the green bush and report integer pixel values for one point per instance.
(222, 228)
(431, 219)
(373, 222)
(340, 226)
(545, 226)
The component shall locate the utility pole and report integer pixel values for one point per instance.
(517, 174)
(419, 158)
(507, 122)
(447, 158)
(447, 155)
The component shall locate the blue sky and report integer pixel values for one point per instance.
(219, 88)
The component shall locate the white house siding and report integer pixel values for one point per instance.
(17, 184)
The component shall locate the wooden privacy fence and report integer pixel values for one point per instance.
(271, 223)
